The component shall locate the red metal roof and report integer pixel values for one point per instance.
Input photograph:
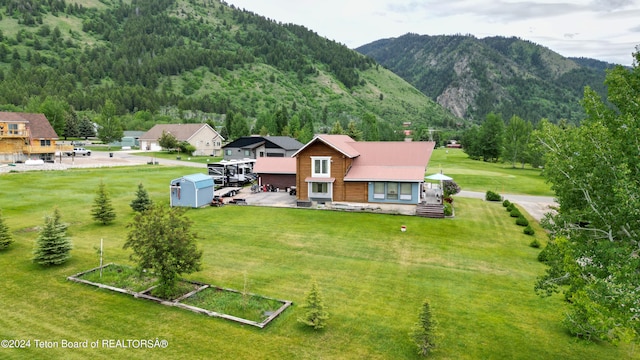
(275, 165)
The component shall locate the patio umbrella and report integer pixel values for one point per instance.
(438, 176)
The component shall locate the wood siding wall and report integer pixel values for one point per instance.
(339, 166)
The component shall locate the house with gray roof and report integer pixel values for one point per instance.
(254, 147)
(203, 137)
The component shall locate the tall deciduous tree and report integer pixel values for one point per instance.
(516, 140)
(491, 137)
(424, 331)
(594, 248)
(109, 127)
(102, 209)
(5, 236)
(162, 241)
(315, 315)
(53, 247)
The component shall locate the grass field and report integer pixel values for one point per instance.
(482, 176)
(477, 270)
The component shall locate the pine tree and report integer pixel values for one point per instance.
(102, 208)
(142, 201)
(53, 245)
(424, 331)
(5, 235)
(315, 315)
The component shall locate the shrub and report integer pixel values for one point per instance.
(529, 230)
(449, 187)
(315, 315)
(506, 203)
(448, 209)
(522, 221)
(510, 207)
(424, 332)
(535, 244)
(492, 196)
(515, 212)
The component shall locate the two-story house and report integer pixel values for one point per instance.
(338, 168)
(25, 136)
(203, 137)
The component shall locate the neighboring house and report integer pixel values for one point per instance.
(279, 172)
(338, 168)
(129, 138)
(25, 136)
(253, 147)
(203, 137)
(194, 191)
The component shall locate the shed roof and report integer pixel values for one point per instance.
(275, 165)
(200, 180)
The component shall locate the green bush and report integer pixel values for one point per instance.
(529, 230)
(522, 221)
(448, 209)
(515, 213)
(535, 244)
(506, 203)
(492, 196)
(510, 207)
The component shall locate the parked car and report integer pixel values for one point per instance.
(79, 151)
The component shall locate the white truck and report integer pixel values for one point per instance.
(78, 151)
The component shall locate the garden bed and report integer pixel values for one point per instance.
(245, 308)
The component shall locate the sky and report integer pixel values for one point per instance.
(607, 30)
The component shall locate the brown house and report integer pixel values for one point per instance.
(25, 136)
(338, 168)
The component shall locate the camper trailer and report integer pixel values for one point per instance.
(232, 172)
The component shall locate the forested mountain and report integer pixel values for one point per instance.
(195, 60)
(473, 77)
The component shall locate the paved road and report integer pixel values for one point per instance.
(536, 206)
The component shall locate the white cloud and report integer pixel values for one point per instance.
(601, 29)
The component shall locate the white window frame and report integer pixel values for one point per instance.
(321, 195)
(322, 159)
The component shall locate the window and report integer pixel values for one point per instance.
(320, 166)
(13, 129)
(247, 153)
(45, 142)
(392, 191)
(405, 191)
(322, 188)
(227, 152)
(378, 190)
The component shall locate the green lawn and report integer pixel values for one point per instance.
(481, 176)
(477, 270)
